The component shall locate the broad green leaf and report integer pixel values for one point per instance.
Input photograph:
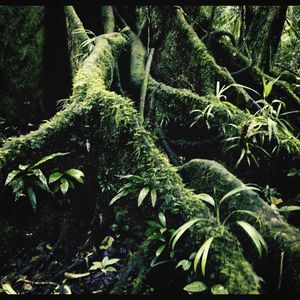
(41, 185)
(32, 197)
(111, 269)
(48, 157)
(43, 180)
(64, 185)
(76, 174)
(67, 290)
(8, 289)
(219, 289)
(55, 176)
(207, 198)
(153, 195)
(181, 230)
(154, 224)
(160, 250)
(23, 167)
(157, 236)
(96, 265)
(117, 197)
(11, 176)
(17, 184)
(162, 230)
(185, 264)
(255, 236)
(106, 243)
(162, 219)
(202, 254)
(289, 208)
(195, 287)
(143, 193)
(107, 262)
(238, 190)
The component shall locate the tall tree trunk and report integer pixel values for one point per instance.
(264, 25)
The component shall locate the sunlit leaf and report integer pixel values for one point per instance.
(8, 289)
(143, 193)
(96, 265)
(11, 176)
(18, 184)
(75, 276)
(289, 208)
(195, 287)
(55, 176)
(76, 174)
(49, 157)
(202, 254)
(185, 264)
(23, 167)
(118, 196)
(160, 250)
(64, 185)
(238, 190)
(207, 198)
(219, 289)
(181, 230)
(255, 236)
(162, 219)
(153, 195)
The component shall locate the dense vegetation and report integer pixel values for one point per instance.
(153, 150)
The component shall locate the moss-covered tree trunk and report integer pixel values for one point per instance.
(106, 137)
(263, 28)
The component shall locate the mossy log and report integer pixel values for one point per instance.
(234, 61)
(206, 138)
(109, 121)
(201, 175)
(176, 105)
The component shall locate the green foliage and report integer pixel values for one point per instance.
(267, 122)
(202, 253)
(195, 287)
(105, 265)
(23, 179)
(136, 184)
(160, 233)
(64, 180)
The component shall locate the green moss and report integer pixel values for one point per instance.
(183, 61)
(205, 176)
(201, 141)
(111, 123)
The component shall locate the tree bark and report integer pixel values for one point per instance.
(264, 25)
